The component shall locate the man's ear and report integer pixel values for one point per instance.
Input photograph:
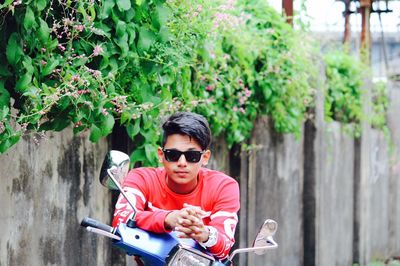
(160, 154)
(206, 157)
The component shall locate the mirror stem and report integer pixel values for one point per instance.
(123, 193)
(272, 245)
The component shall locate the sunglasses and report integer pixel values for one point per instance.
(174, 155)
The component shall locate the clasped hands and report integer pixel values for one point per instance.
(188, 221)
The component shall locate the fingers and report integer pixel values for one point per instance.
(195, 210)
(194, 232)
(189, 217)
(190, 223)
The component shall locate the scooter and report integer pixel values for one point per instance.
(162, 249)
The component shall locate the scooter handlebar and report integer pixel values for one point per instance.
(96, 224)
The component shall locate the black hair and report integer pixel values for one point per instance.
(190, 124)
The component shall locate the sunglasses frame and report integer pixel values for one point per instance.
(165, 151)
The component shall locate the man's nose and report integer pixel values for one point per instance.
(182, 160)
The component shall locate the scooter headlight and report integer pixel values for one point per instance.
(185, 256)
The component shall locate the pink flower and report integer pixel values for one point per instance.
(247, 92)
(209, 88)
(76, 78)
(235, 109)
(97, 50)
(79, 28)
(61, 47)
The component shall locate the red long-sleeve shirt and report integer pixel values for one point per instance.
(216, 193)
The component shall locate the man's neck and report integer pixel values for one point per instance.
(181, 189)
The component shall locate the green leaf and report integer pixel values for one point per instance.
(163, 14)
(138, 2)
(95, 133)
(138, 155)
(107, 125)
(44, 31)
(122, 43)
(28, 65)
(150, 151)
(150, 135)
(121, 28)
(4, 96)
(29, 19)
(8, 142)
(23, 82)
(165, 34)
(166, 93)
(106, 8)
(125, 116)
(146, 39)
(131, 31)
(124, 5)
(50, 66)
(101, 30)
(14, 50)
(133, 128)
(40, 4)
(4, 112)
(60, 123)
(52, 45)
(160, 16)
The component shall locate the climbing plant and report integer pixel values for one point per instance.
(94, 64)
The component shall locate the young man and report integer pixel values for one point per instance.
(196, 202)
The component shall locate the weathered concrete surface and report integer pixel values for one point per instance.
(46, 190)
(394, 199)
(362, 187)
(274, 190)
(334, 196)
(379, 201)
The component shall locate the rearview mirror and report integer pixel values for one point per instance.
(264, 236)
(114, 169)
(263, 241)
(113, 172)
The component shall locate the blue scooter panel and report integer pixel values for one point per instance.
(150, 246)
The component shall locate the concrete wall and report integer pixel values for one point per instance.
(45, 191)
(334, 196)
(274, 190)
(379, 201)
(394, 182)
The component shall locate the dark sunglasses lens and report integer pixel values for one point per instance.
(193, 156)
(172, 155)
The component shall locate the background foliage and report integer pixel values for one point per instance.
(92, 64)
(343, 98)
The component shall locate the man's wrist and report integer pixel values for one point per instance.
(212, 237)
(168, 225)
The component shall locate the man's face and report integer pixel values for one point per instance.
(182, 174)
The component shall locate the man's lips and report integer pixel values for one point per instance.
(181, 172)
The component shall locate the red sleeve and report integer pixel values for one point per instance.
(224, 218)
(136, 189)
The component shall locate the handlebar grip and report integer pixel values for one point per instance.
(96, 224)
